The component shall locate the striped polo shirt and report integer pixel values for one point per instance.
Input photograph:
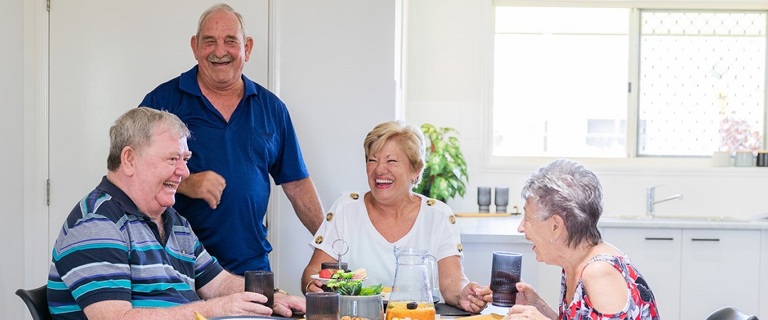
(108, 250)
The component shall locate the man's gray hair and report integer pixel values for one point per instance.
(224, 7)
(136, 127)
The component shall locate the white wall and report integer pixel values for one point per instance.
(336, 69)
(12, 149)
(444, 85)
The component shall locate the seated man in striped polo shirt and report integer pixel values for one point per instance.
(125, 253)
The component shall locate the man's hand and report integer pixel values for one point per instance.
(206, 185)
(285, 304)
(238, 304)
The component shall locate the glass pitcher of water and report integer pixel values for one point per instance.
(414, 286)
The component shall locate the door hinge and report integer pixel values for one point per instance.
(47, 192)
(48, 6)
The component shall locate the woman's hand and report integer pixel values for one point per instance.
(314, 286)
(473, 297)
(308, 283)
(527, 295)
(518, 312)
(527, 301)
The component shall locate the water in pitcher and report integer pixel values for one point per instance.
(412, 290)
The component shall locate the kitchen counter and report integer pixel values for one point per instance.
(503, 229)
(491, 229)
(721, 223)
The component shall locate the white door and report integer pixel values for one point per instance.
(104, 57)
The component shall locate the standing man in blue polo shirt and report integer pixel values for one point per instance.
(241, 134)
(125, 253)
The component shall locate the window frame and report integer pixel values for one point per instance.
(631, 163)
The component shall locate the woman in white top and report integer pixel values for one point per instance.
(391, 215)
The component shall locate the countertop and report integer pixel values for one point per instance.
(503, 229)
(666, 222)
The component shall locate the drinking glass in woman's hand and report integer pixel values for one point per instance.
(505, 274)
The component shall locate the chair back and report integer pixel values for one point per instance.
(730, 313)
(37, 301)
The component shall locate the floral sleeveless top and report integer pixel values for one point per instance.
(640, 303)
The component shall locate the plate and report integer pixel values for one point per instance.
(324, 280)
(317, 277)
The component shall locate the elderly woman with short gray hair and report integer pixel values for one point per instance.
(563, 202)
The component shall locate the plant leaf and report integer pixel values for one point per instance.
(371, 290)
(445, 169)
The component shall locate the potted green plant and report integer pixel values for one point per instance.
(445, 170)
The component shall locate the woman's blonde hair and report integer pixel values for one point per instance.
(409, 138)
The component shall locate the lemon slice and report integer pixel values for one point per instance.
(199, 316)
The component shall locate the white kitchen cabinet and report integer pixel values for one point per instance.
(656, 255)
(764, 275)
(693, 272)
(720, 268)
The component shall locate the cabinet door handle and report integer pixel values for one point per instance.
(661, 239)
(705, 239)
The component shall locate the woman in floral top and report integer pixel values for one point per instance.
(563, 202)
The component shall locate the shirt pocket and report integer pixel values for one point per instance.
(263, 146)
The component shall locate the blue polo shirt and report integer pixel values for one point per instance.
(108, 250)
(259, 141)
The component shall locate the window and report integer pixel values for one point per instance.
(627, 82)
(702, 82)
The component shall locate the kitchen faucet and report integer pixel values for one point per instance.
(651, 202)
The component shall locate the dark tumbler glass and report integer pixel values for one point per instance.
(505, 274)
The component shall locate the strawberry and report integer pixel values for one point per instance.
(326, 273)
